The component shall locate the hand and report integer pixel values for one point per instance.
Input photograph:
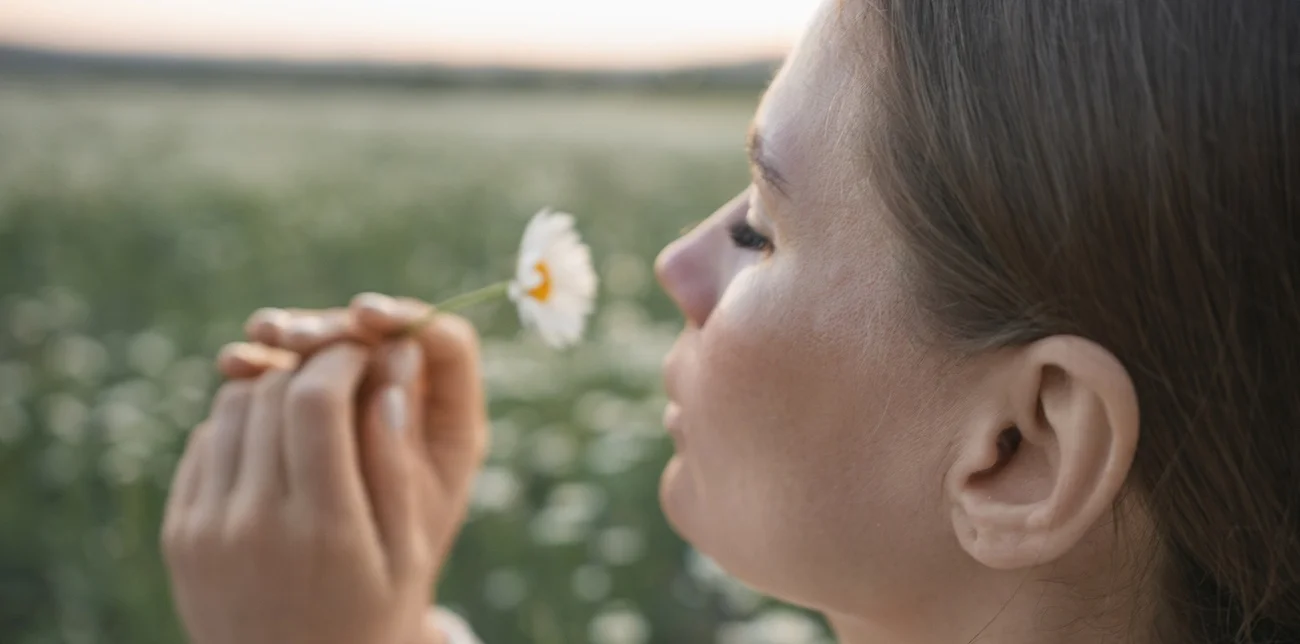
(287, 523)
(451, 438)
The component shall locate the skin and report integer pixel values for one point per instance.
(320, 497)
(827, 452)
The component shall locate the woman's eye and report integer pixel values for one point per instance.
(744, 236)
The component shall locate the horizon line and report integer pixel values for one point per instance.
(682, 60)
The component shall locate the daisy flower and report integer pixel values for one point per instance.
(554, 287)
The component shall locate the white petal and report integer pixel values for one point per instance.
(532, 239)
(550, 239)
(543, 229)
(548, 326)
(528, 312)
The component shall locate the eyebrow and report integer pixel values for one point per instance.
(763, 164)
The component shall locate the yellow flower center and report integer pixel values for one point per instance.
(542, 291)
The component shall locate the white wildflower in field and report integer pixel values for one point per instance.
(554, 288)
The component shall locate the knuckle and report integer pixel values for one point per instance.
(322, 539)
(461, 332)
(308, 396)
(188, 538)
(201, 536)
(450, 341)
(249, 532)
(271, 383)
(420, 555)
(234, 392)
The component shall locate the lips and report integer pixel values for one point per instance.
(666, 374)
(673, 423)
(673, 410)
(672, 417)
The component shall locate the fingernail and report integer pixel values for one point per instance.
(411, 312)
(381, 304)
(392, 409)
(305, 329)
(404, 364)
(267, 322)
(275, 317)
(247, 352)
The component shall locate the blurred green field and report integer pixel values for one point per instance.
(141, 222)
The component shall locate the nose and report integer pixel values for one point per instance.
(692, 269)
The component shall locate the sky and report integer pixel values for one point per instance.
(563, 33)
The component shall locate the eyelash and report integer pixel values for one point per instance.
(744, 236)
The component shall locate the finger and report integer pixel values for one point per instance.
(303, 330)
(262, 470)
(266, 325)
(386, 315)
(308, 332)
(455, 416)
(386, 466)
(401, 362)
(229, 412)
(244, 360)
(319, 444)
(184, 491)
(185, 482)
(454, 435)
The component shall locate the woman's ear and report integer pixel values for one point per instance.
(1030, 480)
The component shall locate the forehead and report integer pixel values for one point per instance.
(819, 105)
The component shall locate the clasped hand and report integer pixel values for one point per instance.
(318, 500)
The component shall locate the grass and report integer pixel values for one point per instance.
(141, 222)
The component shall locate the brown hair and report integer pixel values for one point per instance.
(1129, 171)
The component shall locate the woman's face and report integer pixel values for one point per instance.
(808, 417)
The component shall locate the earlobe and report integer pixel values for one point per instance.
(1035, 474)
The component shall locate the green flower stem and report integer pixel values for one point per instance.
(477, 296)
(464, 301)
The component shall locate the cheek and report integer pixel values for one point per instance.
(767, 408)
(801, 411)
(794, 366)
(778, 396)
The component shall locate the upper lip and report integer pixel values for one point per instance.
(668, 369)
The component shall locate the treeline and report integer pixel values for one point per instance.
(37, 62)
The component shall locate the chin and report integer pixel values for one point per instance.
(678, 497)
(684, 508)
(683, 505)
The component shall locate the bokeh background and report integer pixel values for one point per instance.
(166, 168)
